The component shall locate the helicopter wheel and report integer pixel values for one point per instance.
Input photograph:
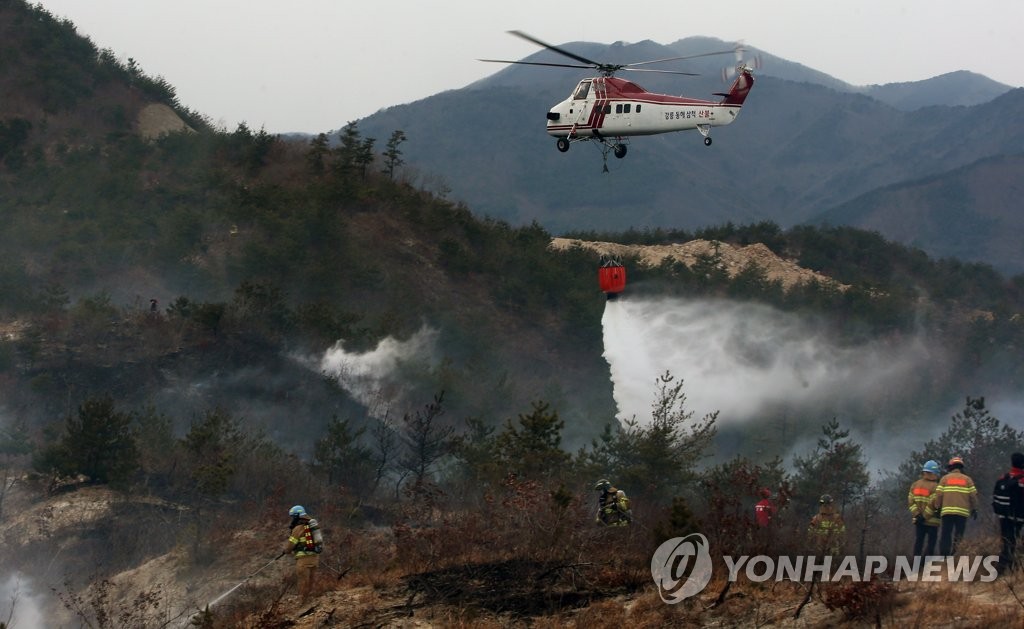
(707, 141)
(620, 150)
(562, 144)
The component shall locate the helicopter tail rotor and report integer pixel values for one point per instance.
(742, 63)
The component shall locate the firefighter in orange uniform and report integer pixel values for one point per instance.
(827, 529)
(955, 499)
(926, 520)
(302, 544)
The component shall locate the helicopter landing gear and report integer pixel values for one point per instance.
(705, 130)
(618, 149)
(562, 144)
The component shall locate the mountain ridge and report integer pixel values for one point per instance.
(798, 148)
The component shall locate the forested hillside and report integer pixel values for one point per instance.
(200, 328)
(967, 213)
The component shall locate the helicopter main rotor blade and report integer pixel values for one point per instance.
(536, 63)
(607, 69)
(566, 53)
(628, 69)
(704, 54)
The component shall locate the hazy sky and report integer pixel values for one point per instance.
(314, 65)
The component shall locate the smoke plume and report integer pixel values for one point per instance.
(19, 607)
(374, 378)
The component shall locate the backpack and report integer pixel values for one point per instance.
(311, 540)
(318, 538)
(1008, 498)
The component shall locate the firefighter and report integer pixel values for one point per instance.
(764, 510)
(827, 529)
(1008, 505)
(919, 501)
(955, 499)
(764, 521)
(612, 505)
(302, 544)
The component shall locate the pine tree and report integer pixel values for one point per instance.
(983, 441)
(212, 444)
(836, 467)
(532, 446)
(364, 155)
(393, 156)
(350, 139)
(98, 442)
(341, 457)
(317, 155)
(655, 459)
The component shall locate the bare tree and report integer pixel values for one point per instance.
(7, 482)
(425, 441)
(385, 444)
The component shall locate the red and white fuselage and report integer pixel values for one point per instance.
(614, 107)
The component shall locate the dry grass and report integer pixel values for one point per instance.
(497, 566)
(961, 604)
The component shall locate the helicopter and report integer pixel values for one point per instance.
(610, 109)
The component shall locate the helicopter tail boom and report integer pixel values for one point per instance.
(740, 88)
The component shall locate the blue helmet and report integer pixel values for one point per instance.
(931, 466)
(297, 511)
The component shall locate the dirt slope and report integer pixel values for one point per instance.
(732, 259)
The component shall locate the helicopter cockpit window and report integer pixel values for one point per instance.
(582, 90)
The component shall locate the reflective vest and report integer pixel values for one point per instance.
(827, 523)
(919, 501)
(613, 508)
(301, 540)
(828, 530)
(1008, 496)
(955, 495)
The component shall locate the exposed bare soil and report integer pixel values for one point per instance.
(157, 119)
(732, 259)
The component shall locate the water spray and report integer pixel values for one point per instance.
(242, 582)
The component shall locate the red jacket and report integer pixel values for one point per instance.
(764, 511)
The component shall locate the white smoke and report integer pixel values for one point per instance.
(374, 378)
(741, 358)
(19, 607)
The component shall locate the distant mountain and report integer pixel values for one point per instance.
(971, 213)
(955, 88)
(804, 142)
